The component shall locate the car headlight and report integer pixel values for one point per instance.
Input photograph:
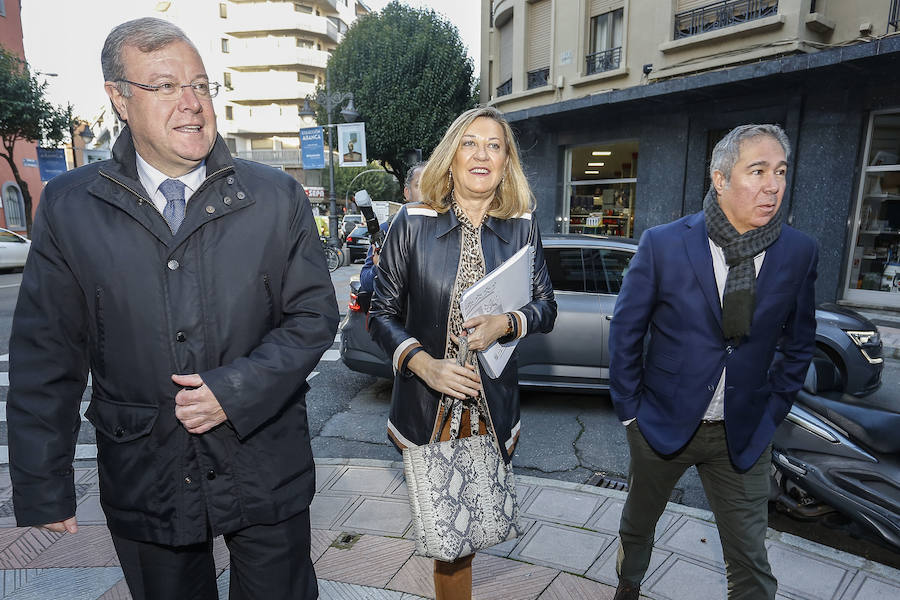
(868, 343)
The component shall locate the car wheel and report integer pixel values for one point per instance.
(827, 353)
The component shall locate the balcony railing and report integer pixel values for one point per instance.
(271, 157)
(722, 14)
(504, 88)
(538, 78)
(894, 16)
(605, 60)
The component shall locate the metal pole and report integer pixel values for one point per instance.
(332, 202)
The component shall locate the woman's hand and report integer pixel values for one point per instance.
(484, 330)
(445, 376)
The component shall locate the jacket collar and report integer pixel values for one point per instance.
(448, 221)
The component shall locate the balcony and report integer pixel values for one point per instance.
(894, 16)
(273, 52)
(278, 17)
(275, 158)
(268, 86)
(273, 119)
(504, 88)
(719, 15)
(605, 60)
(538, 78)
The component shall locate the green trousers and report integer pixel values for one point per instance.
(739, 502)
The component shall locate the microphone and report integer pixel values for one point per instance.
(364, 202)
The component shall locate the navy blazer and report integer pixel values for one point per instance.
(670, 290)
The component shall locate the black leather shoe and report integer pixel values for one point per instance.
(627, 591)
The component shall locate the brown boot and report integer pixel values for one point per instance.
(627, 591)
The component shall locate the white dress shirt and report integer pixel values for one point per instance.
(716, 409)
(151, 178)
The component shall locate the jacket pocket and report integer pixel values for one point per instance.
(121, 421)
(267, 284)
(100, 342)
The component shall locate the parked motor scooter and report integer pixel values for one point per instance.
(836, 452)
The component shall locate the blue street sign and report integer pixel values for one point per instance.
(51, 161)
(312, 148)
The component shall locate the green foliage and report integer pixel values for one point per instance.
(410, 77)
(380, 184)
(25, 115)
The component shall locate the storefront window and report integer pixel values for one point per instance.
(874, 273)
(600, 195)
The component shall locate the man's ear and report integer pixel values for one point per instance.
(719, 181)
(117, 99)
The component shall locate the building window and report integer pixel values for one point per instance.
(874, 272)
(303, 8)
(538, 43)
(229, 113)
(223, 10)
(606, 42)
(306, 77)
(304, 43)
(693, 17)
(226, 79)
(225, 49)
(600, 194)
(2, 8)
(14, 206)
(506, 58)
(232, 145)
(262, 144)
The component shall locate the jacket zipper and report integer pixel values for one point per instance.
(271, 300)
(101, 330)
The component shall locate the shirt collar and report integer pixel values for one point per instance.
(151, 177)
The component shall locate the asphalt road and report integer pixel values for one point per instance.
(569, 437)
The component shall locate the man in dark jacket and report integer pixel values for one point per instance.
(719, 292)
(193, 287)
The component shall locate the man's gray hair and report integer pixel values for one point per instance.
(147, 34)
(725, 154)
(412, 172)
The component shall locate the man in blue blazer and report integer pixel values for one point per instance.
(727, 296)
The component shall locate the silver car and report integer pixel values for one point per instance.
(587, 272)
(13, 249)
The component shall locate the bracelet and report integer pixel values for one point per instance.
(509, 325)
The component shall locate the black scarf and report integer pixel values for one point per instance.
(739, 296)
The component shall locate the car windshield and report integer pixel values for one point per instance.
(360, 231)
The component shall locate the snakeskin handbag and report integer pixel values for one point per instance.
(461, 493)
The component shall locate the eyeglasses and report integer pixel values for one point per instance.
(173, 91)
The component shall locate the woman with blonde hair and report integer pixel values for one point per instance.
(476, 212)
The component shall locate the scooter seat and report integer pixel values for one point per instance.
(874, 428)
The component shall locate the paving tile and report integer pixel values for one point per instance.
(325, 473)
(371, 561)
(384, 516)
(523, 492)
(69, 584)
(336, 590)
(117, 592)
(91, 547)
(320, 540)
(89, 511)
(565, 548)
(807, 576)
(604, 568)
(26, 547)
(562, 506)
(13, 580)
(508, 546)
(495, 578)
(400, 491)
(365, 480)
(416, 576)
(571, 587)
(868, 587)
(607, 518)
(682, 578)
(694, 538)
(325, 510)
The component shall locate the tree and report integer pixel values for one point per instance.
(25, 115)
(410, 77)
(380, 184)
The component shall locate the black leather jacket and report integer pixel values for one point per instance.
(417, 270)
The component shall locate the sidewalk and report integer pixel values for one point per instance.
(362, 548)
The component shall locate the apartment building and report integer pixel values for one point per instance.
(618, 104)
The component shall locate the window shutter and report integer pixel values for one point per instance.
(506, 50)
(683, 5)
(539, 16)
(598, 7)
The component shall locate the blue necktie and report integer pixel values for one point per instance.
(173, 213)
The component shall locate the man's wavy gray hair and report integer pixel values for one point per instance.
(725, 154)
(147, 34)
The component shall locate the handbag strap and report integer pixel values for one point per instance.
(454, 406)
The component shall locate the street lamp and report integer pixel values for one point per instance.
(86, 135)
(329, 102)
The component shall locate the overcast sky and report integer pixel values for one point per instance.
(65, 37)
